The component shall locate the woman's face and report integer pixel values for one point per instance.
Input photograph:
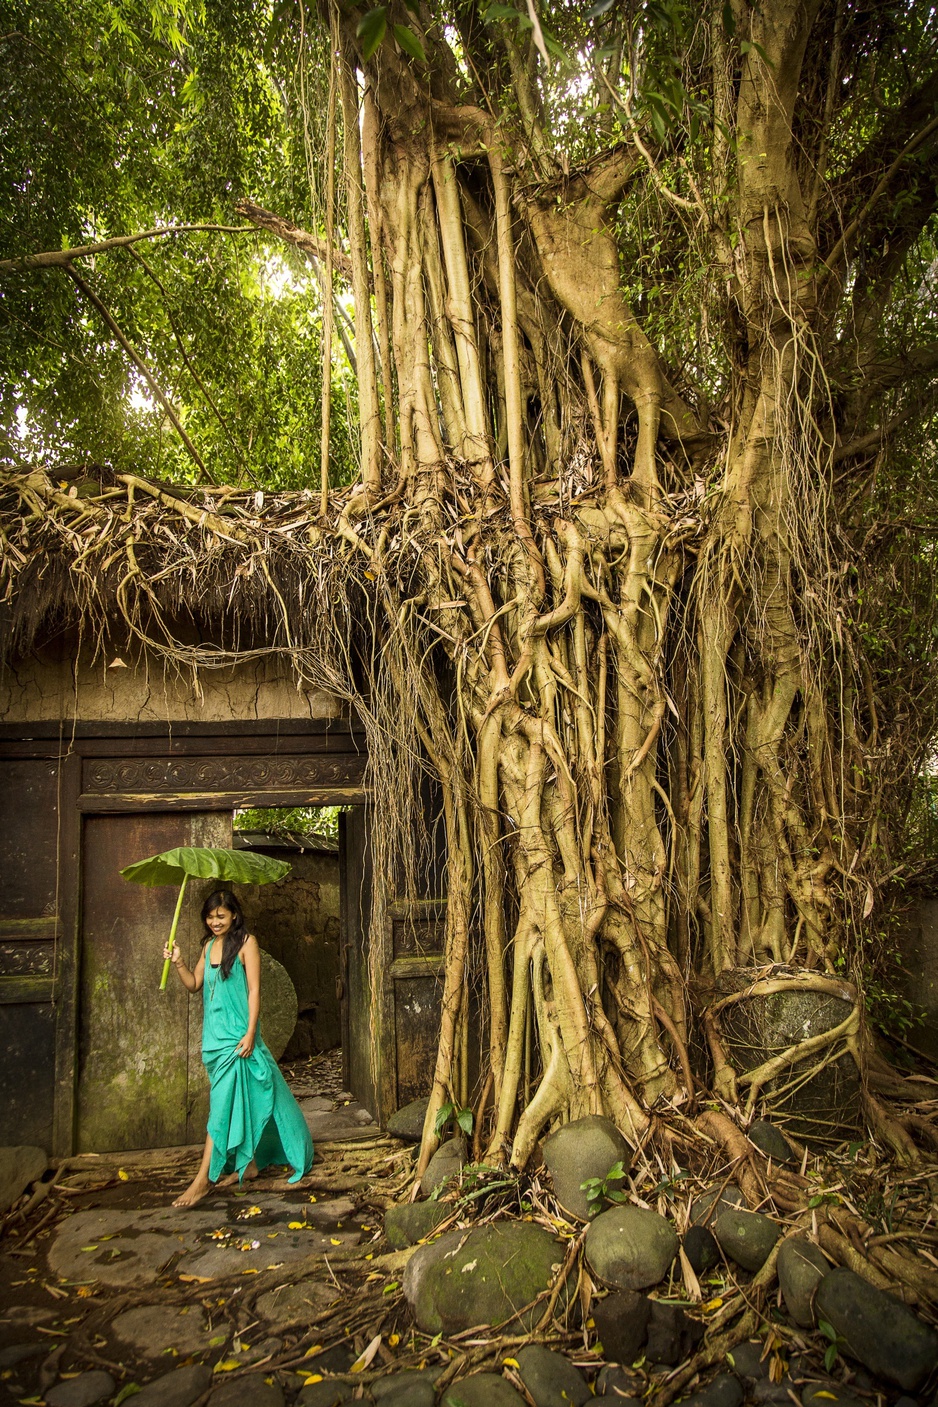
(219, 921)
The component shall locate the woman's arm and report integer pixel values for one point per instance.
(250, 955)
(191, 980)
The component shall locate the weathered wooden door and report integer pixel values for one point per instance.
(141, 1082)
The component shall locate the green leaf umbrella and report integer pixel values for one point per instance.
(176, 867)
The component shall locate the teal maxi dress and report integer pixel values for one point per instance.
(252, 1113)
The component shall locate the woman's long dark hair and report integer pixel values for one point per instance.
(234, 939)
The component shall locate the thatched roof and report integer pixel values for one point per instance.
(198, 572)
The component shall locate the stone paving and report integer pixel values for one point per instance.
(124, 1237)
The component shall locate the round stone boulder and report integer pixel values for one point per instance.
(409, 1222)
(483, 1276)
(447, 1163)
(829, 1394)
(801, 1267)
(710, 1204)
(418, 1393)
(579, 1151)
(724, 1391)
(83, 1391)
(771, 1142)
(877, 1330)
(251, 1391)
(331, 1392)
(407, 1122)
(748, 1238)
(630, 1248)
(621, 1321)
(551, 1379)
(482, 1390)
(700, 1249)
(179, 1388)
(411, 1388)
(278, 1018)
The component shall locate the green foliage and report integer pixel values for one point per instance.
(463, 1118)
(318, 820)
(833, 1345)
(203, 862)
(133, 116)
(600, 1190)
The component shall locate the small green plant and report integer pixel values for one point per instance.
(604, 1189)
(463, 1118)
(833, 1345)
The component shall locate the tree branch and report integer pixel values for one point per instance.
(238, 449)
(141, 366)
(63, 258)
(842, 246)
(309, 243)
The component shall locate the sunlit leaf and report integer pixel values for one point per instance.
(372, 27)
(235, 866)
(409, 42)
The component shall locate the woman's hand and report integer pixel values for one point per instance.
(246, 1045)
(174, 955)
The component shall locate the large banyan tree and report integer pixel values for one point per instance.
(637, 564)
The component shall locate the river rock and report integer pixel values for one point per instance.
(394, 1383)
(446, 1163)
(481, 1277)
(15, 1353)
(700, 1249)
(20, 1165)
(329, 1393)
(801, 1268)
(724, 1391)
(672, 1334)
(630, 1248)
(551, 1379)
(830, 1394)
(621, 1321)
(250, 1391)
(708, 1205)
(771, 1142)
(617, 1384)
(746, 1237)
(747, 1362)
(278, 1020)
(409, 1222)
(83, 1391)
(179, 1388)
(482, 1390)
(407, 1122)
(877, 1330)
(583, 1149)
(417, 1393)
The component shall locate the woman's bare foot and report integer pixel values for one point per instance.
(198, 1188)
(249, 1174)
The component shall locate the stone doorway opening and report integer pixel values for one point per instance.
(299, 920)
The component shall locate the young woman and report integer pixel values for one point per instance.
(253, 1119)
